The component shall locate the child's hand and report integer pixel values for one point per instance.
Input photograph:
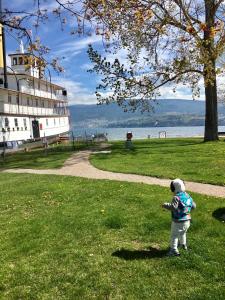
(166, 205)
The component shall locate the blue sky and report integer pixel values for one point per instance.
(79, 83)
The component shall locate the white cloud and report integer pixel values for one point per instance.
(86, 66)
(69, 48)
(182, 92)
(121, 55)
(77, 92)
(68, 56)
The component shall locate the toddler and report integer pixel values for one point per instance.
(180, 207)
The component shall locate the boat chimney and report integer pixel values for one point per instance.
(21, 47)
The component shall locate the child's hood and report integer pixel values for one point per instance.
(178, 185)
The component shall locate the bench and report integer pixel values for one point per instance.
(63, 139)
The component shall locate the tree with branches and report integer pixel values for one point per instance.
(167, 42)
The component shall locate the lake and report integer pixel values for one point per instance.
(144, 132)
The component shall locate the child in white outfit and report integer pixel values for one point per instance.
(180, 207)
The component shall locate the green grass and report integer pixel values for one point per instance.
(71, 238)
(189, 159)
(38, 159)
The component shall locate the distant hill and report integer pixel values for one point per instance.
(166, 113)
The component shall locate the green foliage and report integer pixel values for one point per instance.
(55, 244)
(189, 159)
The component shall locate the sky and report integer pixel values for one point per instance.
(72, 50)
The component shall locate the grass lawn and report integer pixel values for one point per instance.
(189, 159)
(37, 158)
(72, 238)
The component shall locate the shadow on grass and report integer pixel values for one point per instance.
(219, 214)
(140, 254)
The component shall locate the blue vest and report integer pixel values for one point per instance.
(183, 212)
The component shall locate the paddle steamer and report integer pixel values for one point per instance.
(32, 107)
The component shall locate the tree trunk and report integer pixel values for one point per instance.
(211, 115)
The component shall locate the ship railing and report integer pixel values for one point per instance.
(43, 94)
(31, 110)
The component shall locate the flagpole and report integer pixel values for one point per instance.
(3, 49)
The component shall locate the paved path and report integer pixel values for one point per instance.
(79, 165)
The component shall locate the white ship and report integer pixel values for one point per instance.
(31, 107)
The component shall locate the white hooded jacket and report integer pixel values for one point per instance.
(177, 186)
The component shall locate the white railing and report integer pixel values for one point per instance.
(31, 110)
(43, 94)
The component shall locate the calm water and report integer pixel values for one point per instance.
(143, 133)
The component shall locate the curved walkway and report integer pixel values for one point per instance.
(78, 165)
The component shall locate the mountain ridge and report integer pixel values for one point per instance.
(169, 112)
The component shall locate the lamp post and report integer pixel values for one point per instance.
(2, 33)
(73, 139)
(4, 148)
(50, 79)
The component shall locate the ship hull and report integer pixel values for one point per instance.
(29, 128)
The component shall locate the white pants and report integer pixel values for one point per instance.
(178, 234)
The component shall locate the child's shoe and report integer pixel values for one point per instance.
(173, 252)
(185, 247)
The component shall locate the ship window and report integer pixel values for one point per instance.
(39, 84)
(25, 122)
(14, 61)
(46, 122)
(6, 122)
(16, 122)
(28, 101)
(9, 98)
(26, 60)
(43, 104)
(0, 123)
(36, 102)
(20, 60)
(30, 83)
